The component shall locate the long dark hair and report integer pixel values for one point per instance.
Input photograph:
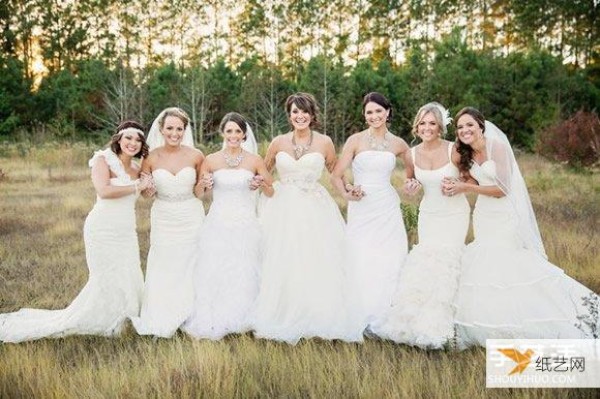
(235, 118)
(114, 141)
(379, 99)
(466, 151)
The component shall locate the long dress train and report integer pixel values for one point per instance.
(506, 290)
(113, 291)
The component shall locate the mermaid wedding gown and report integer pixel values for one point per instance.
(176, 218)
(113, 291)
(422, 313)
(376, 237)
(506, 290)
(304, 289)
(226, 274)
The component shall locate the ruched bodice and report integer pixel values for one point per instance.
(373, 168)
(307, 169)
(232, 197)
(174, 187)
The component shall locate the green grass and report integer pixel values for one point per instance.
(45, 195)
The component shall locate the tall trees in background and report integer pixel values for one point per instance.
(85, 65)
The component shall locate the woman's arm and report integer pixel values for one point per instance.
(204, 183)
(407, 160)
(346, 190)
(265, 182)
(101, 181)
(271, 152)
(329, 153)
(146, 174)
(455, 186)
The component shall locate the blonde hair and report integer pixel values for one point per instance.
(436, 110)
(176, 112)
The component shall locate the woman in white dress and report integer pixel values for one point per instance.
(226, 274)
(422, 312)
(303, 290)
(176, 217)
(113, 291)
(375, 234)
(507, 288)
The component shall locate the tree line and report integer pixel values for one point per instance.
(75, 69)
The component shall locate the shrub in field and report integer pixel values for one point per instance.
(575, 141)
(410, 214)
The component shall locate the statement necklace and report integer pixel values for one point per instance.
(300, 149)
(233, 161)
(375, 144)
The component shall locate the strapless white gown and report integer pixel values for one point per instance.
(376, 236)
(176, 218)
(226, 274)
(113, 291)
(422, 313)
(303, 289)
(507, 291)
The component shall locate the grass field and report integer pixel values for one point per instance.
(45, 194)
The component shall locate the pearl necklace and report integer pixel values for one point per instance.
(377, 145)
(300, 149)
(233, 161)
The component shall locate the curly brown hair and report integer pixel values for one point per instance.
(114, 141)
(466, 151)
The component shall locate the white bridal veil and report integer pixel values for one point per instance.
(250, 143)
(155, 139)
(510, 181)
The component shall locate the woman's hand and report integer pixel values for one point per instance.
(452, 186)
(411, 186)
(353, 192)
(206, 182)
(259, 182)
(146, 185)
(256, 182)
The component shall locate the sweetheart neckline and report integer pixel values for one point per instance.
(294, 159)
(234, 169)
(174, 174)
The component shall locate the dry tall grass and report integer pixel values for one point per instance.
(44, 197)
